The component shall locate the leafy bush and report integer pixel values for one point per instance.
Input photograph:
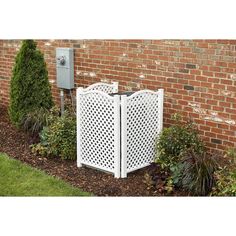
(175, 140)
(34, 121)
(231, 154)
(225, 183)
(181, 153)
(158, 180)
(58, 138)
(30, 88)
(226, 175)
(196, 172)
(39, 149)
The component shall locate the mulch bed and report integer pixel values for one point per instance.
(16, 144)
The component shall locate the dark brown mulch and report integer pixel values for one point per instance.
(16, 144)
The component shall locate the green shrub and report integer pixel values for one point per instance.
(181, 153)
(30, 88)
(175, 140)
(231, 154)
(58, 138)
(196, 172)
(39, 149)
(34, 121)
(225, 183)
(226, 175)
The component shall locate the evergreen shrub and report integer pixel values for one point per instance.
(30, 88)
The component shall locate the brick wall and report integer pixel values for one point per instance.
(199, 76)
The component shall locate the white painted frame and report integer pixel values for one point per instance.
(104, 87)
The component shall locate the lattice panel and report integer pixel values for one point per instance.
(97, 130)
(143, 126)
(101, 119)
(104, 87)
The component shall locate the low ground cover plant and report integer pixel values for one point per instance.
(196, 172)
(34, 121)
(58, 137)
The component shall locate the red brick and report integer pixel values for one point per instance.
(205, 128)
(201, 78)
(195, 72)
(226, 81)
(219, 86)
(232, 65)
(213, 80)
(221, 64)
(202, 45)
(217, 108)
(210, 134)
(211, 123)
(185, 49)
(224, 104)
(160, 65)
(214, 68)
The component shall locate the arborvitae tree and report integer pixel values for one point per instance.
(30, 88)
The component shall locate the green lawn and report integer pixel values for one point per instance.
(18, 179)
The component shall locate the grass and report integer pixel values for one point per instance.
(18, 179)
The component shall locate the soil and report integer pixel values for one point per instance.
(16, 143)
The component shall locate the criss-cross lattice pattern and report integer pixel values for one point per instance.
(105, 123)
(143, 127)
(97, 130)
(104, 87)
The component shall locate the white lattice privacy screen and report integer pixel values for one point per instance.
(117, 133)
(141, 122)
(98, 135)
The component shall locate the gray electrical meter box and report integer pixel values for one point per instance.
(65, 68)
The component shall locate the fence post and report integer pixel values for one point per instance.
(160, 108)
(78, 90)
(115, 87)
(117, 135)
(123, 136)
